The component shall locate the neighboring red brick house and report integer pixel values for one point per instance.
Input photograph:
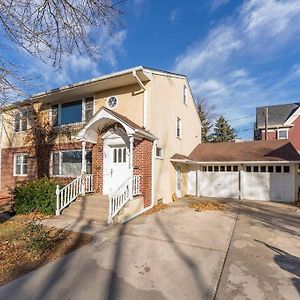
(283, 123)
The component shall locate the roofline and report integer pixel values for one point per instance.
(35, 97)
(190, 162)
(283, 104)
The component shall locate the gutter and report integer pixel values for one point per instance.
(134, 74)
(234, 162)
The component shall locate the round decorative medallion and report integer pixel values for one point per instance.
(112, 101)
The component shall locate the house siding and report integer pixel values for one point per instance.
(294, 134)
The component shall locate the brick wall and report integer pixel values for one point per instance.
(97, 157)
(8, 180)
(142, 163)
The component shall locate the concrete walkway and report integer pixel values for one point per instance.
(174, 254)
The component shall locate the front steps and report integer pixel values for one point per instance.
(92, 208)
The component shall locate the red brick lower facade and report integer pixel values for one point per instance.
(142, 162)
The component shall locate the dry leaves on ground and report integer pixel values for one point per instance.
(156, 208)
(19, 253)
(200, 206)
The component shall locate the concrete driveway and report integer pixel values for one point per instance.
(174, 254)
(249, 251)
(263, 260)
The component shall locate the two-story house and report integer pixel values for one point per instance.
(113, 135)
(282, 121)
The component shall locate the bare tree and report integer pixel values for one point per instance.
(50, 30)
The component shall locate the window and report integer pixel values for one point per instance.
(72, 112)
(54, 115)
(20, 164)
(209, 168)
(119, 155)
(286, 169)
(228, 168)
(263, 169)
(159, 152)
(270, 169)
(204, 169)
(248, 168)
(256, 169)
(88, 108)
(184, 95)
(222, 168)
(235, 168)
(69, 163)
(112, 102)
(178, 128)
(216, 168)
(21, 120)
(278, 169)
(282, 134)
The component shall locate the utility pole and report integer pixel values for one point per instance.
(266, 122)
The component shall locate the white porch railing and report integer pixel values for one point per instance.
(125, 192)
(79, 186)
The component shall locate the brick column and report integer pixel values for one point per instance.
(142, 165)
(97, 158)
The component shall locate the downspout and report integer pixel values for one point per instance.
(134, 74)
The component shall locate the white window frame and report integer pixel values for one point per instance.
(185, 95)
(287, 134)
(162, 153)
(107, 99)
(20, 111)
(22, 164)
(60, 153)
(180, 127)
(117, 162)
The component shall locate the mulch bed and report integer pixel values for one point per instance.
(201, 206)
(19, 255)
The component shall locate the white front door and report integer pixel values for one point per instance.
(116, 167)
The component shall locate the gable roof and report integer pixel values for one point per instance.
(278, 114)
(277, 150)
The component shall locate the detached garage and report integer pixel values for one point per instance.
(261, 170)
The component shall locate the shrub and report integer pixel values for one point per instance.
(35, 195)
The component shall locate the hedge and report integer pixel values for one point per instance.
(35, 195)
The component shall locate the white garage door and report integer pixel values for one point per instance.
(219, 181)
(268, 183)
(192, 181)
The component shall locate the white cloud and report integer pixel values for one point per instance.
(215, 4)
(221, 43)
(270, 17)
(228, 68)
(174, 16)
(139, 6)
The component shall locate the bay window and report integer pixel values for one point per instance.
(68, 163)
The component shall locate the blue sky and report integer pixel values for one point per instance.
(236, 54)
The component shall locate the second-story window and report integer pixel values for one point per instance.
(88, 108)
(178, 127)
(184, 95)
(72, 112)
(21, 120)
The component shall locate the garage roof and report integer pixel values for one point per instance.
(278, 150)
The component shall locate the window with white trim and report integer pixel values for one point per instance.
(72, 112)
(68, 163)
(184, 95)
(119, 155)
(20, 164)
(178, 127)
(21, 120)
(159, 153)
(282, 134)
